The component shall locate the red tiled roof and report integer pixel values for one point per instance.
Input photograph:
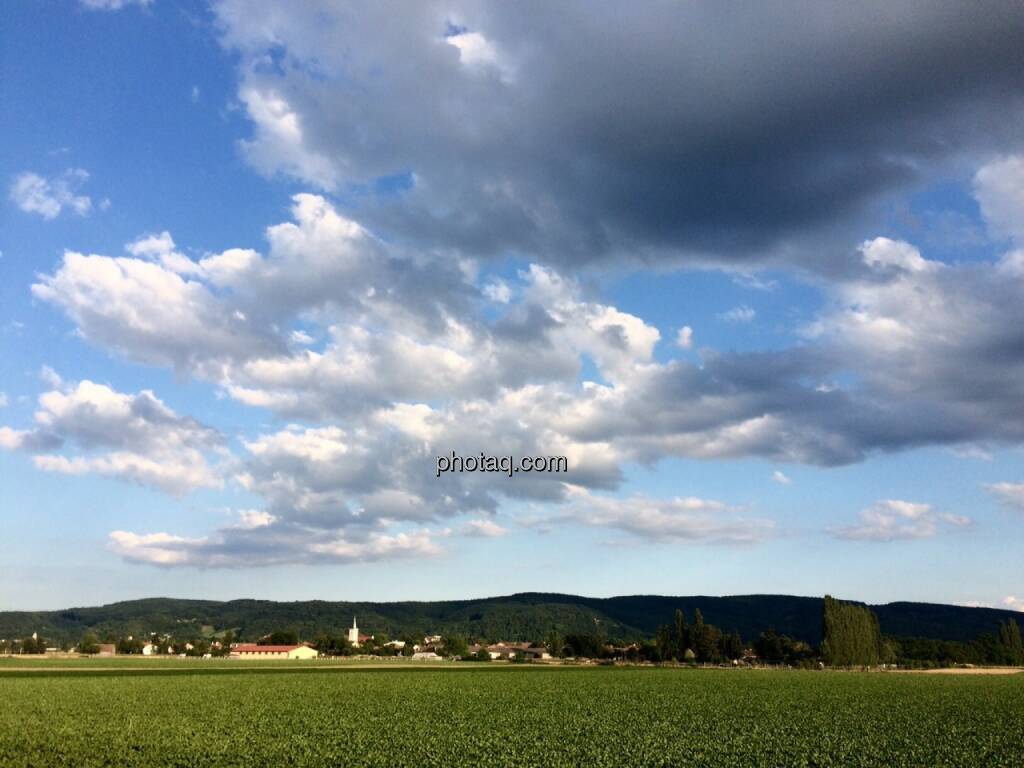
(265, 648)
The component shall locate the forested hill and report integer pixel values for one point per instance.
(527, 616)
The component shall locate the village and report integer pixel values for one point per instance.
(432, 648)
(285, 645)
(678, 643)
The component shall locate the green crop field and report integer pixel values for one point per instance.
(265, 714)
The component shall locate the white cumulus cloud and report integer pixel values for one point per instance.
(1009, 494)
(893, 519)
(483, 528)
(742, 314)
(131, 437)
(660, 520)
(1014, 603)
(48, 197)
(999, 187)
(112, 5)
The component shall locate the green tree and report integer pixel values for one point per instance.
(584, 646)
(682, 635)
(88, 644)
(332, 645)
(34, 644)
(129, 645)
(225, 643)
(771, 646)
(455, 645)
(705, 638)
(602, 638)
(555, 644)
(890, 650)
(768, 646)
(200, 647)
(851, 635)
(280, 637)
(663, 642)
(1010, 640)
(732, 646)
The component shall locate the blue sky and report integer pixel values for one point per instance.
(262, 263)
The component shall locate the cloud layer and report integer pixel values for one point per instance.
(576, 132)
(383, 357)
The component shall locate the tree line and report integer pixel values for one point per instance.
(851, 637)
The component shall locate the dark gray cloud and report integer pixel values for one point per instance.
(580, 131)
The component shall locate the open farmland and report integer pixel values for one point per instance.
(491, 716)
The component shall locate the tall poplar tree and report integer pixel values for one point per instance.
(682, 635)
(851, 633)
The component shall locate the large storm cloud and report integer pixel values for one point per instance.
(585, 131)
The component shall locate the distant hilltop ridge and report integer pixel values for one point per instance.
(520, 617)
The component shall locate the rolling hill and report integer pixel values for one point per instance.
(526, 616)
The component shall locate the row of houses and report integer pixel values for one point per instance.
(424, 653)
(431, 648)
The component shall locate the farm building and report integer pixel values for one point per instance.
(511, 650)
(274, 652)
(506, 650)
